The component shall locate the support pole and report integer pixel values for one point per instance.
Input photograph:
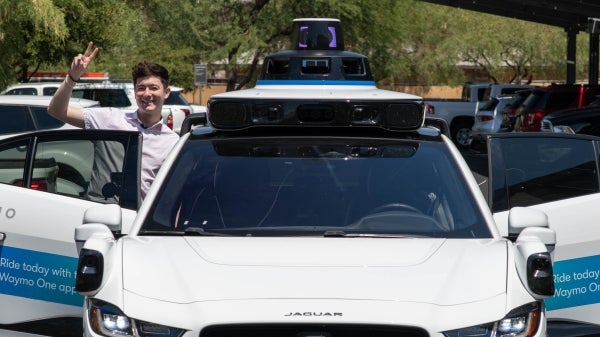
(594, 31)
(571, 54)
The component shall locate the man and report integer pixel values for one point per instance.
(151, 85)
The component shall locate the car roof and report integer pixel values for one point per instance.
(42, 100)
(114, 84)
(572, 112)
(38, 85)
(428, 132)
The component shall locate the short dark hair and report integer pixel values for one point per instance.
(144, 69)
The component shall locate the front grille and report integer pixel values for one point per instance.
(312, 330)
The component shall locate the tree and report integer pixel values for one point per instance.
(504, 49)
(30, 33)
(238, 34)
(46, 35)
(407, 42)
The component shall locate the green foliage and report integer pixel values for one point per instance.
(30, 32)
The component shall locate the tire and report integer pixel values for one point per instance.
(461, 134)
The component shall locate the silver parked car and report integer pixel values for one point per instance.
(489, 119)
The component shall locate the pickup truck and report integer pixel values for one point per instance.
(459, 114)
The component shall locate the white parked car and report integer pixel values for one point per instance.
(489, 119)
(21, 113)
(32, 89)
(309, 212)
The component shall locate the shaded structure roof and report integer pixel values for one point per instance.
(573, 16)
(569, 14)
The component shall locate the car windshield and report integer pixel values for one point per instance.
(337, 187)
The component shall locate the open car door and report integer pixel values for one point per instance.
(47, 181)
(558, 174)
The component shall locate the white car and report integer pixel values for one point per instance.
(23, 113)
(318, 218)
(32, 89)
(314, 205)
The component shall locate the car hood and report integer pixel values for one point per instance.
(191, 269)
(325, 92)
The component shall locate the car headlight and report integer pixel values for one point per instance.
(520, 322)
(108, 320)
(563, 129)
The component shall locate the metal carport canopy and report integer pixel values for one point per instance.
(572, 15)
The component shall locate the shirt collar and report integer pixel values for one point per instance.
(133, 116)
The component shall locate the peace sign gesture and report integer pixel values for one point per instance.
(82, 61)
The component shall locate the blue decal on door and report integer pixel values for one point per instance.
(577, 282)
(38, 275)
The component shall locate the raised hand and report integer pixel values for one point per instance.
(82, 61)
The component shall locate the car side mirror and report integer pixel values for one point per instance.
(528, 222)
(98, 221)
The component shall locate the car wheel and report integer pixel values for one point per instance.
(462, 135)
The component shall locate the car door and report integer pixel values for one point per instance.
(47, 180)
(558, 174)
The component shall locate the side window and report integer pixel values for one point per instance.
(277, 66)
(353, 66)
(543, 170)
(22, 91)
(175, 98)
(12, 162)
(85, 169)
(43, 120)
(49, 91)
(116, 98)
(15, 118)
(561, 100)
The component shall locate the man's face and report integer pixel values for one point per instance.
(150, 94)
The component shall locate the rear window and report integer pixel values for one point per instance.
(489, 105)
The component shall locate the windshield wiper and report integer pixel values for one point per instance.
(196, 231)
(191, 231)
(342, 234)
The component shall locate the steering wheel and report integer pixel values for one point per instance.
(398, 206)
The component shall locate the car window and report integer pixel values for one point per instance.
(116, 98)
(544, 170)
(49, 91)
(22, 91)
(266, 188)
(176, 98)
(560, 100)
(43, 120)
(12, 162)
(15, 119)
(489, 105)
(84, 167)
